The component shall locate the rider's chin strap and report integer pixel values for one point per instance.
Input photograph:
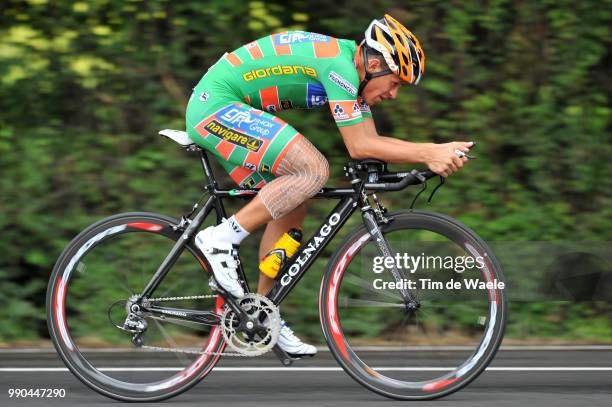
(369, 75)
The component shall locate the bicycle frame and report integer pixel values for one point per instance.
(292, 271)
(302, 260)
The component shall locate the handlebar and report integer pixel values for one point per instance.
(377, 171)
(406, 178)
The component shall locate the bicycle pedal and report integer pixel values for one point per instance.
(296, 357)
(283, 356)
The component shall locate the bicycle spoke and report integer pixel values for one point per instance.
(367, 285)
(169, 289)
(172, 343)
(354, 302)
(127, 290)
(401, 326)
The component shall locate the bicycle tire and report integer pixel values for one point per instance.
(60, 335)
(348, 358)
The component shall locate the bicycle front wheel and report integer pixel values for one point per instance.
(425, 348)
(95, 277)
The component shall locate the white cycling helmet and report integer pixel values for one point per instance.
(400, 48)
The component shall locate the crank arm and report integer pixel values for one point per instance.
(283, 356)
(229, 299)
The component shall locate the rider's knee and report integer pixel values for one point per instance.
(317, 176)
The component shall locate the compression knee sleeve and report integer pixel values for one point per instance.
(302, 172)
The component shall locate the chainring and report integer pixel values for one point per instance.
(254, 305)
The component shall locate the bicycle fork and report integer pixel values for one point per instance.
(369, 219)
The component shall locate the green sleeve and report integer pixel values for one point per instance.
(340, 80)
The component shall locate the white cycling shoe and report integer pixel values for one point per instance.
(223, 258)
(291, 344)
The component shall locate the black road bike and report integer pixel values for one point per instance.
(401, 313)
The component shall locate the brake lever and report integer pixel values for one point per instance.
(462, 154)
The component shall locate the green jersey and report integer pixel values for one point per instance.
(291, 70)
(231, 111)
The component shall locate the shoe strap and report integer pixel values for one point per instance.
(213, 250)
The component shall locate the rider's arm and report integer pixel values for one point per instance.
(362, 141)
(354, 121)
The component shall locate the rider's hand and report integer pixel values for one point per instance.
(442, 158)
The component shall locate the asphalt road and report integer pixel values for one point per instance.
(519, 376)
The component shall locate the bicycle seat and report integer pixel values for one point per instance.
(178, 136)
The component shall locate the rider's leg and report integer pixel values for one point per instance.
(301, 172)
(274, 230)
(255, 214)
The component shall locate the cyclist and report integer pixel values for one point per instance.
(230, 115)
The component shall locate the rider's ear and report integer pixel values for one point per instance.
(373, 65)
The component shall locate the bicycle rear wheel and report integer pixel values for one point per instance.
(406, 353)
(98, 272)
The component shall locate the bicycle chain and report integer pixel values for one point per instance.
(182, 350)
(193, 352)
(189, 297)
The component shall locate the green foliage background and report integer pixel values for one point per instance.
(85, 86)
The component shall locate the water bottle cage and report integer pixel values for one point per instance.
(281, 254)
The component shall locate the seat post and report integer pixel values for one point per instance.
(212, 183)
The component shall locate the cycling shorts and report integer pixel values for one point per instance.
(248, 143)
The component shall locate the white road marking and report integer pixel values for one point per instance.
(357, 348)
(318, 369)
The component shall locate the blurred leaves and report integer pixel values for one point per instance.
(85, 86)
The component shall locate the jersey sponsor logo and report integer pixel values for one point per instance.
(342, 83)
(339, 112)
(230, 135)
(204, 96)
(244, 119)
(298, 37)
(265, 168)
(344, 110)
(315, 95)
(286, 104)
(279, 70)
(363, 106)
(248, 183)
